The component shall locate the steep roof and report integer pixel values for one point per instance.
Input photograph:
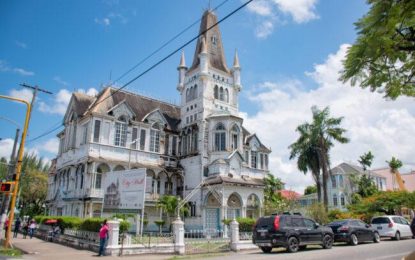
(140, 105)
(82, 102)
(213, 41)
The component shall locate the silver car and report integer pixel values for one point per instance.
(394, 227)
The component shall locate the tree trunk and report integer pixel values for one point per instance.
(323, 162)
(318, 184)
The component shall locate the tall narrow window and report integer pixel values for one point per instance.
(121, 132)
(166, 144)
(335, 200)
(97, 128)
(254, 159)
(220, 138)
(226, 98)
(134, 138)
(98, 180)
(216, 92)
(155, 139)
(142, 139)
(235, 137)
(333, 182)
(246, 156)
(195, 137)
(174, 145)
(84, 134)
(261, 161)
(342, 201)
(266, 161)
(221, 94)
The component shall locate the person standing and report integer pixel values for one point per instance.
(32, 228)
(6, 225)
(103, 236)
(17, 224)
(25, 229)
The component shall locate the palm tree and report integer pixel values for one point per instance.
(168, 204)
(366, 160)
(307, 155)
(324, 131)
(394, 165)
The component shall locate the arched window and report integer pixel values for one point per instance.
(216, 92)
(221, 94)
(226, 95)
(235, 137)
(121, 132)
(102, 168)
(335, 200)
(220, 137)
(195, 92)
(155, 138)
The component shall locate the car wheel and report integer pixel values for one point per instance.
(293, 245)
(266, 249)
(353, 240)
(397, 236)
(327, 242)
(303, 247)
(376, 237)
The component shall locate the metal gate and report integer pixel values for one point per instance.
(206, 241)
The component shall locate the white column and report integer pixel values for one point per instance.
(234, 225)
(114, 233)
(178, 231)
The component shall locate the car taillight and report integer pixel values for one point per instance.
(344, 228)
(390, 225)
(277, 223)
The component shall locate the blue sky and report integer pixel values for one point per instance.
(285, 49)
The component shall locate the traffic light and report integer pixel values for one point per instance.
(6, 187)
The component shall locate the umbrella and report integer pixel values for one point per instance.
(51, 221)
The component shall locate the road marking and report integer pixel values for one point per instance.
(390, 256)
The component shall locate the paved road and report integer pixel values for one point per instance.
(385, 250)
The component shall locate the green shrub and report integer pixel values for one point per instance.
(91, 224)
(318, 212)
(245, 224)
(124, 226)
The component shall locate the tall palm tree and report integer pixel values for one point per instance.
(307, 155)
(366, 160)
(324, 131)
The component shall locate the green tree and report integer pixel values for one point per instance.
(383, 56)
(366, 186)
(310, 190)
(272, 198)
(3, 168)
(394, 164)
(304, 149)
(366, 160)
(320, 136)
(168, 204)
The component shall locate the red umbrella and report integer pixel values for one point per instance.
(51, 221)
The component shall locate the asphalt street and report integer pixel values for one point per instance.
(385, 250)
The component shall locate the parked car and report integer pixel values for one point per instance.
(413, 227)
(394, 227)
(353, 231)
(293, 232)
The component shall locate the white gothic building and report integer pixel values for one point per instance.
(199, 146)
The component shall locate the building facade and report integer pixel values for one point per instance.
(198, 150)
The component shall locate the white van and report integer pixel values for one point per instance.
(394, 227)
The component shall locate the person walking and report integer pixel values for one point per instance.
(25, 229)
(6, 225)
(103, 236)
(17, 224)
(32, 228)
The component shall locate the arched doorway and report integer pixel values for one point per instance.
(253, 206)
(102, 168)
(234, 206)
(212, 213)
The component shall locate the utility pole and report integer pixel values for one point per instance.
(17, 169)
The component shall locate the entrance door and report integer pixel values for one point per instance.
(212, 219)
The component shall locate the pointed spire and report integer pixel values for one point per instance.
(203, 48)
(182, 61)
(236, 60)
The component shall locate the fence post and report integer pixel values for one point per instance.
(234, 225)
(114, 234)
(178, 232)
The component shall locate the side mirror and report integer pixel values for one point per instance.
(316, 225)
(368, 225)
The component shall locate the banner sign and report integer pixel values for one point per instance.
(124, 191)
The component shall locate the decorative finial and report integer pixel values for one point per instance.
(182, 61)
(203, 47)
(236, 60)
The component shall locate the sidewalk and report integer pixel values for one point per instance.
(37, 249)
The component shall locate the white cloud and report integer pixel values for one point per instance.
(5, 67)
(270, 12)
(373, 123)
(6, 146)
(60, 81)
(24, 93)
(60, 102)
(104, 21)
(21, 44)
(50, 146)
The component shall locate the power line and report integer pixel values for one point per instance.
(164, 45)
(44, 134)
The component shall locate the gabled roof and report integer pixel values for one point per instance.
(140, 105)
(346, 167)
(248, 137)
(79, 103)
(214, 47)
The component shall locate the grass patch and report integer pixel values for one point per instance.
(10, 252)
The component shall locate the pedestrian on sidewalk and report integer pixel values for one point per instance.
(32, 228)
(17, 224)
(25, 229)
(103, 237)
(6, 225)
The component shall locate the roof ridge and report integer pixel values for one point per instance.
(146, 97)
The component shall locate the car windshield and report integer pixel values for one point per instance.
(381, 220)
(338, 223)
